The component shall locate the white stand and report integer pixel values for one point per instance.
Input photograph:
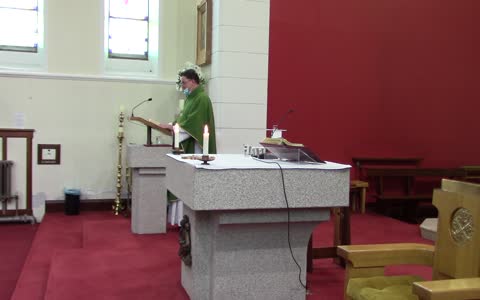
(276, 132)
(149, 194)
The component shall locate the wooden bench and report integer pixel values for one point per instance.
(361, 163)
(407, 200)
(472, 172)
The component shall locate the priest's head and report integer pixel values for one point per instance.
(189, 79)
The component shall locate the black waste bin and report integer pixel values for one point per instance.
(72, 201)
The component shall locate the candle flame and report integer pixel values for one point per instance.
(206, 129)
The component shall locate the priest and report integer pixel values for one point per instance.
(197, 113)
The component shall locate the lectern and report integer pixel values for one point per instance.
(149, 124)
(239, 222)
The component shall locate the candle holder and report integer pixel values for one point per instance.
(119, 205)
(177, 151)
(205, 159)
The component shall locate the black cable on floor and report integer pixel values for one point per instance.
(288, 221)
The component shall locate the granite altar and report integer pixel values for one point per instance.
(239, 220)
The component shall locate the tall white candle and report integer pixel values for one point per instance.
(206, 136)
(176, 137)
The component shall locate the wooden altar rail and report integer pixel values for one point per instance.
(12, 133)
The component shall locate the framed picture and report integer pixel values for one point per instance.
(204, 32)
(48, 154)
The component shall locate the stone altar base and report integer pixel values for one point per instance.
(244, 254)
(149, 203)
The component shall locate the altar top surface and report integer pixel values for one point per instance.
(239, 161)
(234, 182)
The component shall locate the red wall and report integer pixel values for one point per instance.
(378, 78)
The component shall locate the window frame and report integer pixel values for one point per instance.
(25, 57)
(124, 64)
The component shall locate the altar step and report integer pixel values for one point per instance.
(114, 274)
(56, 232)
(96, 256)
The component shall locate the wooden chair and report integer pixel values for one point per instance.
(455, 257)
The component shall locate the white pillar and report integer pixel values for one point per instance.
(239, 72)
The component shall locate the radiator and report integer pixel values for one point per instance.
(6, 184)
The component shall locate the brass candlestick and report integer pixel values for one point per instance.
(118, 205)
(128, 179)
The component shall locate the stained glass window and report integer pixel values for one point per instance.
(19, 25)
(128, 29)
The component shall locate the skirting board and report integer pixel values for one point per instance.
(85, 205)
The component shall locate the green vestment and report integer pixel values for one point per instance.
(197, 113)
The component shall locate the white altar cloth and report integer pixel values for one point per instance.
(240, 161)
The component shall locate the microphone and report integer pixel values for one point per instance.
(149, 99)
(275, 127)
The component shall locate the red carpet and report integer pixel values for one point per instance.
(96, 256)
(56, 232)
(111, 234)
(115, 274)
(16, 240)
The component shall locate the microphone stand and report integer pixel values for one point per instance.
(149, 99)
(275, 127)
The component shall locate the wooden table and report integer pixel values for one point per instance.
(341, 233)
(358, 188)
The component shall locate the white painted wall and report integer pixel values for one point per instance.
(76, 105)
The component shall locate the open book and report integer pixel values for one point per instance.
(285, 150)
(280, 141)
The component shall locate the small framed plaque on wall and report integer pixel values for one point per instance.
(48, 154)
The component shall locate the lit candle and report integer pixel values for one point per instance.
(206, 136)
(176, 136)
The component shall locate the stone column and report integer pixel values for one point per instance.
(239, 72)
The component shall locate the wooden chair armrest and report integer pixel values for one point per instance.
(379, 255)
(465, 288)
